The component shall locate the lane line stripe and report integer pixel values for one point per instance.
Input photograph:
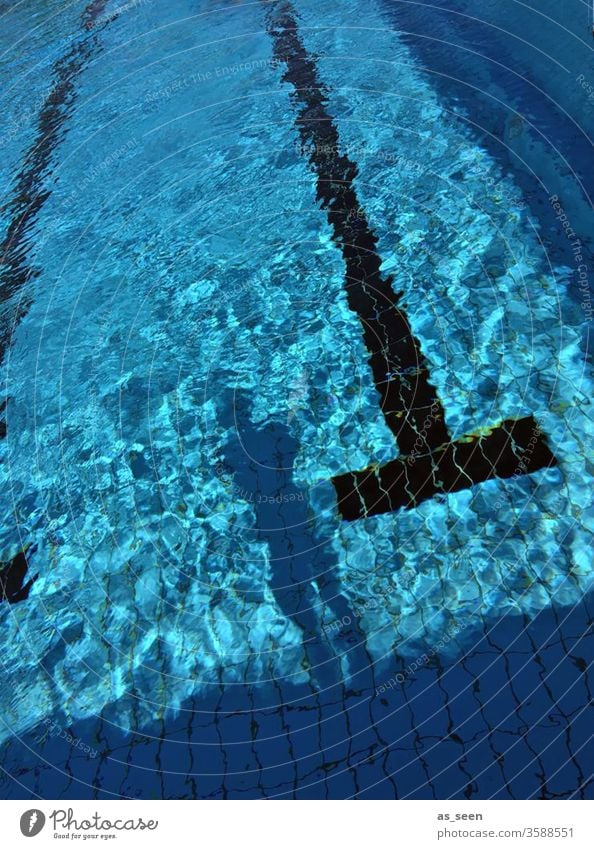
(431, 463)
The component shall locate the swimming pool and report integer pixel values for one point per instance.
(278, 289)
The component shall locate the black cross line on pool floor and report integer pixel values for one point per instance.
(430, 463)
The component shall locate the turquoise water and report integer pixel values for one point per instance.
(186, 376)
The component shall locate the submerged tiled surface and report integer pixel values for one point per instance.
(188, 379)
(493, 724)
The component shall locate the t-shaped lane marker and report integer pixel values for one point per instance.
(430, 463)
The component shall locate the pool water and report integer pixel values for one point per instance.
(186, 612)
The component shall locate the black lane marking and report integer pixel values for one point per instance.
(3, 419)
(513, 448)
(431, 464)
(29, 196)
(12, 577)
(399, 369)
(30, 193)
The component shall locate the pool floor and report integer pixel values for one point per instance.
(296, 416)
